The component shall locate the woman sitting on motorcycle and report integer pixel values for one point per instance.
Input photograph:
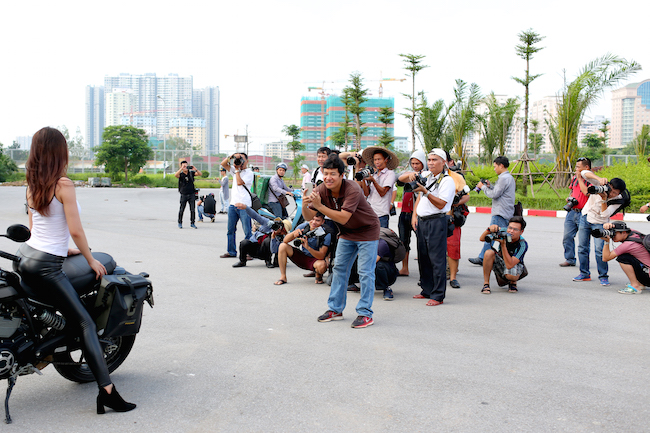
(53, 219)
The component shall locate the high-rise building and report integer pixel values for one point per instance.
(94, 116)
(321, 118)
(25, 142)
(206, 105)
(630, 111)
(165, 97)
(543, 110)
(119, 103)
(190, 129)
(590, 127)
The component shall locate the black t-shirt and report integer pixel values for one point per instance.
(186, 182)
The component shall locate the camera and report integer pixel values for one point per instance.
(570, 202)
(276, 225)
(598, 189)
(483, 181)
(362, 174)
(190, 167)
(319, 231)
(202, 198)
(498, 235)
(419, 180)
(352, 160)
(648, 217)
(238, 161)
(196, 193)
(619, 226)
(461, 193)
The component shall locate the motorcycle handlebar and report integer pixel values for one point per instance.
(9, 256)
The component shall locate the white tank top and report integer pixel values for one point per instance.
(50, 234)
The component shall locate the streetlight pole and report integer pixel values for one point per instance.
(164, 141)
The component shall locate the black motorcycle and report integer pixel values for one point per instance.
(33, 334)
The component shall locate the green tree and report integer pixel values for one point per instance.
(16, 153)
(462, 117)
(124, 148)
(386, 117)
(604, 129)
(593, 147)
(340, 137)
(573, 101)
(640, 142)
(536, 140)
(525, 51)
(432, 123)
(357, 95)
(7, 166)
(501, 119)
(294, 146)
(413, 64)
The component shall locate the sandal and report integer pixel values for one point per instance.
(630, 290)
(280, 282)
(319, 279)
(512, 288)
(486, 289)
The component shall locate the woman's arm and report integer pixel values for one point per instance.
(66, 194)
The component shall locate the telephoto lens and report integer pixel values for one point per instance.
(598, 189)
(362, 174)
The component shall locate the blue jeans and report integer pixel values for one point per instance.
(501, 222)
(278, 210)
(200, 208)
(571, 224)
(584, 234)
(225, 202)
(346, 251)
(235, 215)
(383, 221)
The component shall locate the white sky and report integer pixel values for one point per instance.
(264, 54)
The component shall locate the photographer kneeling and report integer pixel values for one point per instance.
(310, 247)
(508, 262)
(632, 255)
(263, 242)
(206, 206)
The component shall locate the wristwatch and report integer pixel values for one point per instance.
(237, 171)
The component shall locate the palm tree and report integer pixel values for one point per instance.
(640, 142)
(432, 123)
(501, 119)
(573, 101)
(462, 117)
(536, 139)
(413, 65)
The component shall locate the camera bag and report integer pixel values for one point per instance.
(119, 303)
(256, 203)
(640, 239)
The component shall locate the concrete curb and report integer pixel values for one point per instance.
(632, 217)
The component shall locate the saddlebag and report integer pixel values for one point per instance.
(119, 303)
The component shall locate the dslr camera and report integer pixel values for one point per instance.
(238, 161)
(484, 182)
(317, 232)
(352, 160)
(491, 237)
(419, 180)
(619, 226)
(570, 202)
(461, 193)
(598, 189)
(276, 225)
(362, 174)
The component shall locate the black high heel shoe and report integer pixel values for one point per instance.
(113, 401)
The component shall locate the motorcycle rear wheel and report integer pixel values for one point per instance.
(81, 373)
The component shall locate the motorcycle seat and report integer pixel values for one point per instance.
(81, 275)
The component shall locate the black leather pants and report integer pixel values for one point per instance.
(42, 272)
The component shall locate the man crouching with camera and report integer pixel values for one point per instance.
(310, 246)
(632, 254)
(508, 262)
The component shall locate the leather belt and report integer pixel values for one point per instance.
(433, 216)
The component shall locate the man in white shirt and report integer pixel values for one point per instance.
(430, 222)
(378, 187)
(242, 182)
(306, 175)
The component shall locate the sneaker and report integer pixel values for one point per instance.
(567, 264)
(193, 226)
(239, 265)
(582, 277)
(604, 281)
(388, 294)
(362, 322)
(330, 315)
(212, 219)
(180, 226)
(476, 261)
(454, 284)
(630, 290)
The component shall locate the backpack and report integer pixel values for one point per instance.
(261, 188)
(642, 239)
(394, 243)
(210, 204)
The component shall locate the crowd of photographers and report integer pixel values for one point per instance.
(347, 204)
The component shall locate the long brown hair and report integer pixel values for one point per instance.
(47, 162)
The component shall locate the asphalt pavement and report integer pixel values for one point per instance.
(225, 350)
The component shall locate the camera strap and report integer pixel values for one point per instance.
(436, 184)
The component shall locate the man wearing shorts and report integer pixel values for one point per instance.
(311, 254)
